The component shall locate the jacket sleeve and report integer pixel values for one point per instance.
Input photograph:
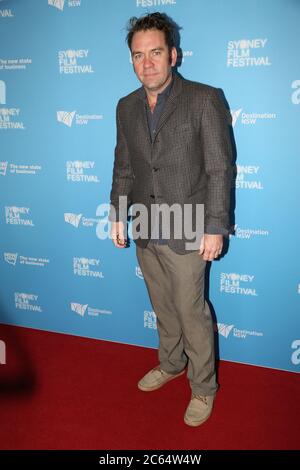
(217, 151)
(122, 176)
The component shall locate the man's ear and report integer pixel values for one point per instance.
(173, 56)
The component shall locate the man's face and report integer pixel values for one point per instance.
(151, 59)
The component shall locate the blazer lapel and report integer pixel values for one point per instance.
(171, 103)
(141, 115)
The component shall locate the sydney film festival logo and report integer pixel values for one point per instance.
(9, 117)
(26, 301)
(74, 62)
(247, 53)
(87, 267)
(235, 283)
(81, 171)
(18, 216)
(6, 12)
(248, 177)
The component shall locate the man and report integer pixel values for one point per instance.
(173, 147)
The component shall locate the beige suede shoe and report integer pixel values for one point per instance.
(155, 379)
(199, 409)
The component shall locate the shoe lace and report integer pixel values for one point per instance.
(201, 398)
(159, 370)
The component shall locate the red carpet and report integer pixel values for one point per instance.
(65, 392)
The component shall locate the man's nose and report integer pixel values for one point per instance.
(147, 62)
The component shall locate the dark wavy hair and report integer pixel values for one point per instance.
(156, 20)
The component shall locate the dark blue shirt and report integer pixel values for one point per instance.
(153, 117)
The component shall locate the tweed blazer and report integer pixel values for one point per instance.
(188, 162)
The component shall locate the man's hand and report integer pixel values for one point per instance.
(211, 246)
(117, 234)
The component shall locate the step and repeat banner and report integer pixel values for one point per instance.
(63, 66)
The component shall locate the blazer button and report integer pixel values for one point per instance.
(152, 196)
(154, 168)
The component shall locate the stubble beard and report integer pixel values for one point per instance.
(157, 86)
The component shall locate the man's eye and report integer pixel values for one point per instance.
(156, 52)
(137, 57)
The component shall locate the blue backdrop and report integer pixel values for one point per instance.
(63, 67)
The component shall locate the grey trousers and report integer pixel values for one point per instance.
(176, 288)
